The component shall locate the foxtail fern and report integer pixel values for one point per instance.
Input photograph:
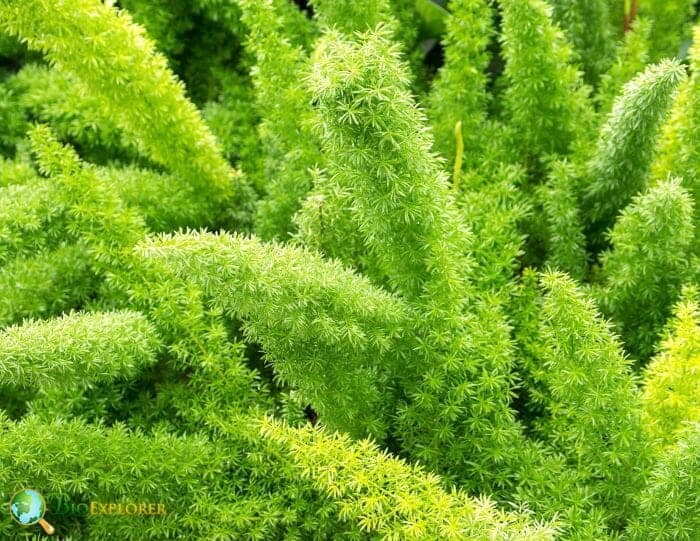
(672, 379)
(594, 416)
(620, 167)
(587, 26)
(545, 98)
(677, 155)
(653, 237)
(459, 92)
(669, 507)
(291, 150)
(372, 488)
(117, 62)
(327, 310)
(93, 347)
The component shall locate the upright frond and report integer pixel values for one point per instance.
(459, 90)
(620, 166)
(653, 238)
(587, 26)
(545, 98)
(672, 379)
(594, 408)
(291, 150)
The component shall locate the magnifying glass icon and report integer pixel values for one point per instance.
(27, 507)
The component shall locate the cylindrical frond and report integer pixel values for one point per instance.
(620, 167)
(678, 155)
(459, 91)
(82, 463)
(594, 408)
(672, 380)
(378, 150)
(326, 330)
(394, 499)
(653, 238)
(545, 98)
(284, 105)
(76, 349)
(587, 26)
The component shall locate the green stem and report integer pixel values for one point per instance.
(459, 155)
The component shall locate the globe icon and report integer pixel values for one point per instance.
(27, 507)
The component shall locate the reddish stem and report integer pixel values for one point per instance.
(631, 16)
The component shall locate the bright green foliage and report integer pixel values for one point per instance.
(15, 172)
(416, 245)
(677, 154)
(410, 31)
(166, 202)
(545, 99)
(326, 310)
(587, 26)
(402, 207)
(653, 237)
(671, 24)
(234, 120)
(493, 209)
(362, 343)
(11, 120)
(117, 62)
(284, 106)
(461, 408)
(459, 90)
(298, 28)
(325, 223)
(394, 499)
(567, 242)
(669, 507)
(525, 307)
(45, 284)
(31, 218)
(631, 58)
(594, 412)
(672, 380)
(560, 491)
(620, 167)
(94, 347)
(349, 16)
(110, 465)
(97, 215)
(58, 97)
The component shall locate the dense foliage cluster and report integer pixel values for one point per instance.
(357, 269)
